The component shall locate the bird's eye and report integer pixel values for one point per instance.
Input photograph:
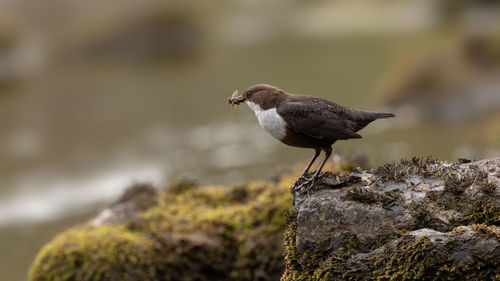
(249, 94)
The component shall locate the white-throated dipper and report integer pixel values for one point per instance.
(305, 121)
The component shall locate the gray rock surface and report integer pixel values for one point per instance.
(417, 219)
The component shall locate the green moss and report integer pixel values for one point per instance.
(425, 167)
(316, 263)
(367, 196)
(399, 171)
(117, 253)
(410, 259)
(292, 266)
(220, 233)
(421, 214)
(181, 185)
(210, 233)
(420, 259)
(481, 178)
(482, 212)
(487, 187)
(333, 268)
(85, 253)
(456, 185)
(392, 172)
(248, 220)
(432, 196)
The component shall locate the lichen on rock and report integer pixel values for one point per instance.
(417, 219)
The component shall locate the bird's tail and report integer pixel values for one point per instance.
(380, 115)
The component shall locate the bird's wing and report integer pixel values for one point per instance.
(317, 119)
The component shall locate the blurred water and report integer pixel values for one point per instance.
(73, 137)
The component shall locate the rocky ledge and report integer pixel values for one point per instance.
(418, 219)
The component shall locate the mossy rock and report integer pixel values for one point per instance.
(467, 253)
(185, 232)
(209, 233)
(87, 253)
(417, 219)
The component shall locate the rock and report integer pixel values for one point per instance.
(419, 219)
(184, 232)
(137, 198)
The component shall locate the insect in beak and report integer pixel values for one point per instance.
(234, 101)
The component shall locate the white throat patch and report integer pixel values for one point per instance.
(270, 120)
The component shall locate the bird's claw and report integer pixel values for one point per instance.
(308, 184)
(305, 186)
(296, 184)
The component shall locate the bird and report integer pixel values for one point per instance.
(304, 121)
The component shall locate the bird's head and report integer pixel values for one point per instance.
(266, 96)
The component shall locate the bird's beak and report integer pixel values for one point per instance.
(235, 100)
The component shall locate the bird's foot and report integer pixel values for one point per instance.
(308, 184)
(296, 186)
(304, 187)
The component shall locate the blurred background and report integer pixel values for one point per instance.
(96, 95)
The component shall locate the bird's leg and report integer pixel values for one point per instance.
(312, 181)
(316, 154)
